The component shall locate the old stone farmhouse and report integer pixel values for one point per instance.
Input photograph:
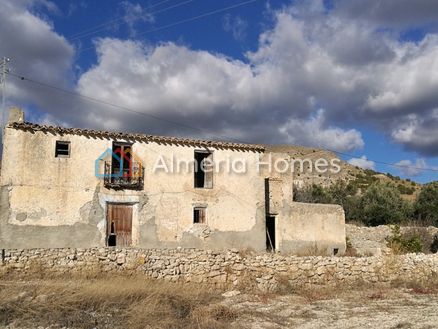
(65, 187)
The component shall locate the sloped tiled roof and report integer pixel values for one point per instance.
(27, 126)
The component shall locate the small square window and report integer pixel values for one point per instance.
(199, 215)
(62, 149)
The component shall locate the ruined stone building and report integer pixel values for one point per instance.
(65, 187)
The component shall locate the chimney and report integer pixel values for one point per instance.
(16, 114)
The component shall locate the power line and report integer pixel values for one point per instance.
(4, 70)
(385, 163)
(95, 100)
(176, 123)
(187, 20)
(73, 36)
(102, 26)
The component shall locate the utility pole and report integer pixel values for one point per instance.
(3, 73)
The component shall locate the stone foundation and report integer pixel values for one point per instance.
(225, 268)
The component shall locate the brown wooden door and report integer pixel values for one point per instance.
(119, 224)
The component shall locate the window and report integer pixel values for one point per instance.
(123, 150)
(62, 149)
(199, 215)
(203, 172)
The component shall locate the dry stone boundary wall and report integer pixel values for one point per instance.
(226, 268)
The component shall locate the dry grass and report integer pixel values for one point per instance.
(350, 251)
(98, 299)
(378, 293)
(311, 251)
(246, 252)
(371, 291)
(419, 287)
(117, 302)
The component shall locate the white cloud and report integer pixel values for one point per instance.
(411, 80)
(411, 169)
(363, 163)
(237, 26)
(134, 13)
(314, 132)
(36, 51)
(312, 75)
(394, 13)
(218, 94)
(418, 132)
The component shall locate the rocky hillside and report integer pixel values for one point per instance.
(348, 173)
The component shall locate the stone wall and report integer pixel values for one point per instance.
(227, 268)
(373, 240)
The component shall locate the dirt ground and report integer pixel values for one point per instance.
(366, 309)
(138, 302)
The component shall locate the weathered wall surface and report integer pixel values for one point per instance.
(313, 229)
(235, 205)
(53, 202)
(225, 268)
(48, 201)
(58, 202)
(302, 228)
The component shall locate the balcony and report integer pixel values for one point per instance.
(127, 179)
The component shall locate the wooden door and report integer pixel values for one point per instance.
(119, 225)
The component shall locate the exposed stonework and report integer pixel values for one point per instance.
(228, 268)
(373, 240)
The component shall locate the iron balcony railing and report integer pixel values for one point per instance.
(132, 178)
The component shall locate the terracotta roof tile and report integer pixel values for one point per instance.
(136, 137)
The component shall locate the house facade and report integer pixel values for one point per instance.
(66, 187)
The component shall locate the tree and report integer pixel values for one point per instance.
(312, 194)
(426, 206)
(382, 204)
(340, 193)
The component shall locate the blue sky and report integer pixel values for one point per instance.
(352, 76)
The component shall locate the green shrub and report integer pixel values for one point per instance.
(413, 244)
(312, 194)
(382, 204)
(405, 189)
(338, 193)
(365, 180)
(402, 243)
(434, 245)
(351, 208)
(426, 205)
(379, 204)
(370, 172)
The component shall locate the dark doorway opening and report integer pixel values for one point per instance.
(112, 236)
(270, 233)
